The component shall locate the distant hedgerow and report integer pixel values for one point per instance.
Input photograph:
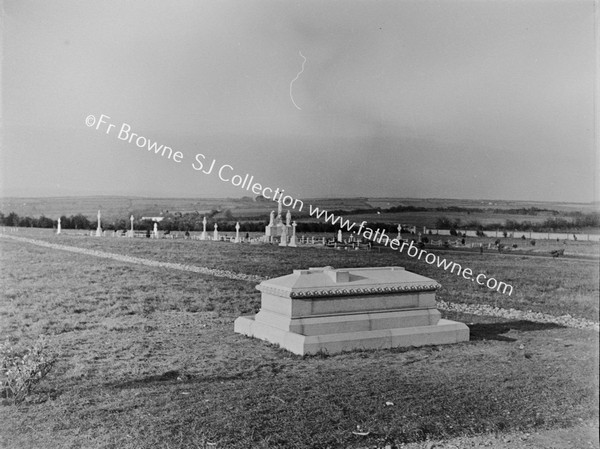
(21, 371)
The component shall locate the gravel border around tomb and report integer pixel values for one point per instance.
(474, 309)
(538, 317)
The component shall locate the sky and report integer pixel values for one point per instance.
(422, 99)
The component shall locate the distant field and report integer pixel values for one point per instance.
(148, 357)
(429, 218)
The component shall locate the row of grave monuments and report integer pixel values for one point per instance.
(277, 231)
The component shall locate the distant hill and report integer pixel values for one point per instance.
(114, 207)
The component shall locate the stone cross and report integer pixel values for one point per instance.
(58, 226)
(272, 218)
(155, 230)
(237, 232)
(293, 238)
(216, 233)
(339, 236)
(288, 218)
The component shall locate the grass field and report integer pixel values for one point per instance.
(147, 356)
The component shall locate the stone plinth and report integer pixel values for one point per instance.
(323, 309)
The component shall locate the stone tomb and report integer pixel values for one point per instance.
(329, 310)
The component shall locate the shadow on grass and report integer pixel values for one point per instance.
(171, 377)
(494, 331)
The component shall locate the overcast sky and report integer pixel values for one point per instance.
(448, 99)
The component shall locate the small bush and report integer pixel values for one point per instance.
(21, 371)
(532, 243)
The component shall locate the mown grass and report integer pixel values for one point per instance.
(148, 358)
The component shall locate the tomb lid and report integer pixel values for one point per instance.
(327, 281)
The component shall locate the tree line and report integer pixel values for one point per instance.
(576, 221)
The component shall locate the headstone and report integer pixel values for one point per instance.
(216, 233)
(203, 235)
(155, 230)
(328, 310)
(99, 228)
(339, 236)
(268, 236)
(132, 233)
(284, 236)
(288, 218)
(58, 226)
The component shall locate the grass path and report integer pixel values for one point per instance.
(480, 310)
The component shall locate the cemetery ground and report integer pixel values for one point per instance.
(147, 357)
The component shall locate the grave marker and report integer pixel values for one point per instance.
(329, 310)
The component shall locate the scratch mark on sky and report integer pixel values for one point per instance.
(297, 76)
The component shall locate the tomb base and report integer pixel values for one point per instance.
(443, 332)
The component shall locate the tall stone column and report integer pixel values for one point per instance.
(237, 232)
(203, 235)
(99, 228)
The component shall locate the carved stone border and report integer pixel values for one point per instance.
(359, 291)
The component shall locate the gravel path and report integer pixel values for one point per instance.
(474, 309)
(138, 260)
